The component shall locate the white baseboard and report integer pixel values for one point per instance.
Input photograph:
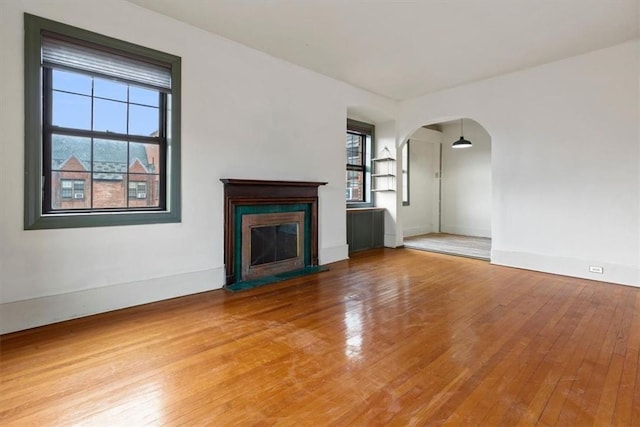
(416, 231)
(333, 254)
(25, 314)
(613, 273)
(465, 231)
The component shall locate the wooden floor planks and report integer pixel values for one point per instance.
(390, 337)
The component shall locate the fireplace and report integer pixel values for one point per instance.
(271, 228)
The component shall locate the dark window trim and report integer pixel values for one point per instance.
(407, 168)
(366, 129)
(34, 218)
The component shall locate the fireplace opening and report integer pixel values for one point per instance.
(272, 243)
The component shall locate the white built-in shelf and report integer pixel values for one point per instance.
(384, 171)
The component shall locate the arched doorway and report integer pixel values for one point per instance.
(447, 191)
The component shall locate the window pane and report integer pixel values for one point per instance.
(108, 192)
(71, 82)
(109, 178)
(142, 96)
(143, 190)
(69, 190)
(144, 158)
(71, 111)
(355, 186)
(143, 120)
(70, 153)
(354, 149)
(109, 116)
(110, 89)
(144, 170)
(109, 160)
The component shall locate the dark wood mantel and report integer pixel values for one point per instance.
(239, 192)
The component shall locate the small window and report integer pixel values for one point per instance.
(66, 189)
(359, 146)
(137, 190)
(101, 114)
(406, 159)
(78, 189)
(71, 189)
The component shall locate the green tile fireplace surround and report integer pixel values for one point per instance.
(251, 197)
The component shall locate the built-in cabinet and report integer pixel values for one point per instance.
(365, 229)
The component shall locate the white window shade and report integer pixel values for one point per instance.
(63, 53)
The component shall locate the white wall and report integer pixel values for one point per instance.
(245, 115)
(466, 181)
(386, 138)
(421, 216)
(564, 161)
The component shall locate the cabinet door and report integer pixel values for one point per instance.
(362, 227)
(377, 231)
(365, 230)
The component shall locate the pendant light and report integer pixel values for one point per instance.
(461, 143)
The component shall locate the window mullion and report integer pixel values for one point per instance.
(101, 135)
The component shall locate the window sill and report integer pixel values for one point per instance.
(365, 209)
(106, 219)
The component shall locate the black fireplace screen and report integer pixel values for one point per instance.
(274, 243)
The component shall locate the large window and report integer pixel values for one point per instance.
(359, 146)
(102, 126)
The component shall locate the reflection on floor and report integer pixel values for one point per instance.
(452, 244)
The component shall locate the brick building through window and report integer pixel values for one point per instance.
(123, 174)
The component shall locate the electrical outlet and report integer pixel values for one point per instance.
(596, 269)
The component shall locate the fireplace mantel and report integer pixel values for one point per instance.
(249, 192)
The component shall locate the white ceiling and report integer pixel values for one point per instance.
(403, 49)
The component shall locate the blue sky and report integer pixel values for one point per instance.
(72, 104)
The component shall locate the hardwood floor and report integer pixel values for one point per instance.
(390, 337)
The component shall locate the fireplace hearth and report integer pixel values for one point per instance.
(271, 228)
